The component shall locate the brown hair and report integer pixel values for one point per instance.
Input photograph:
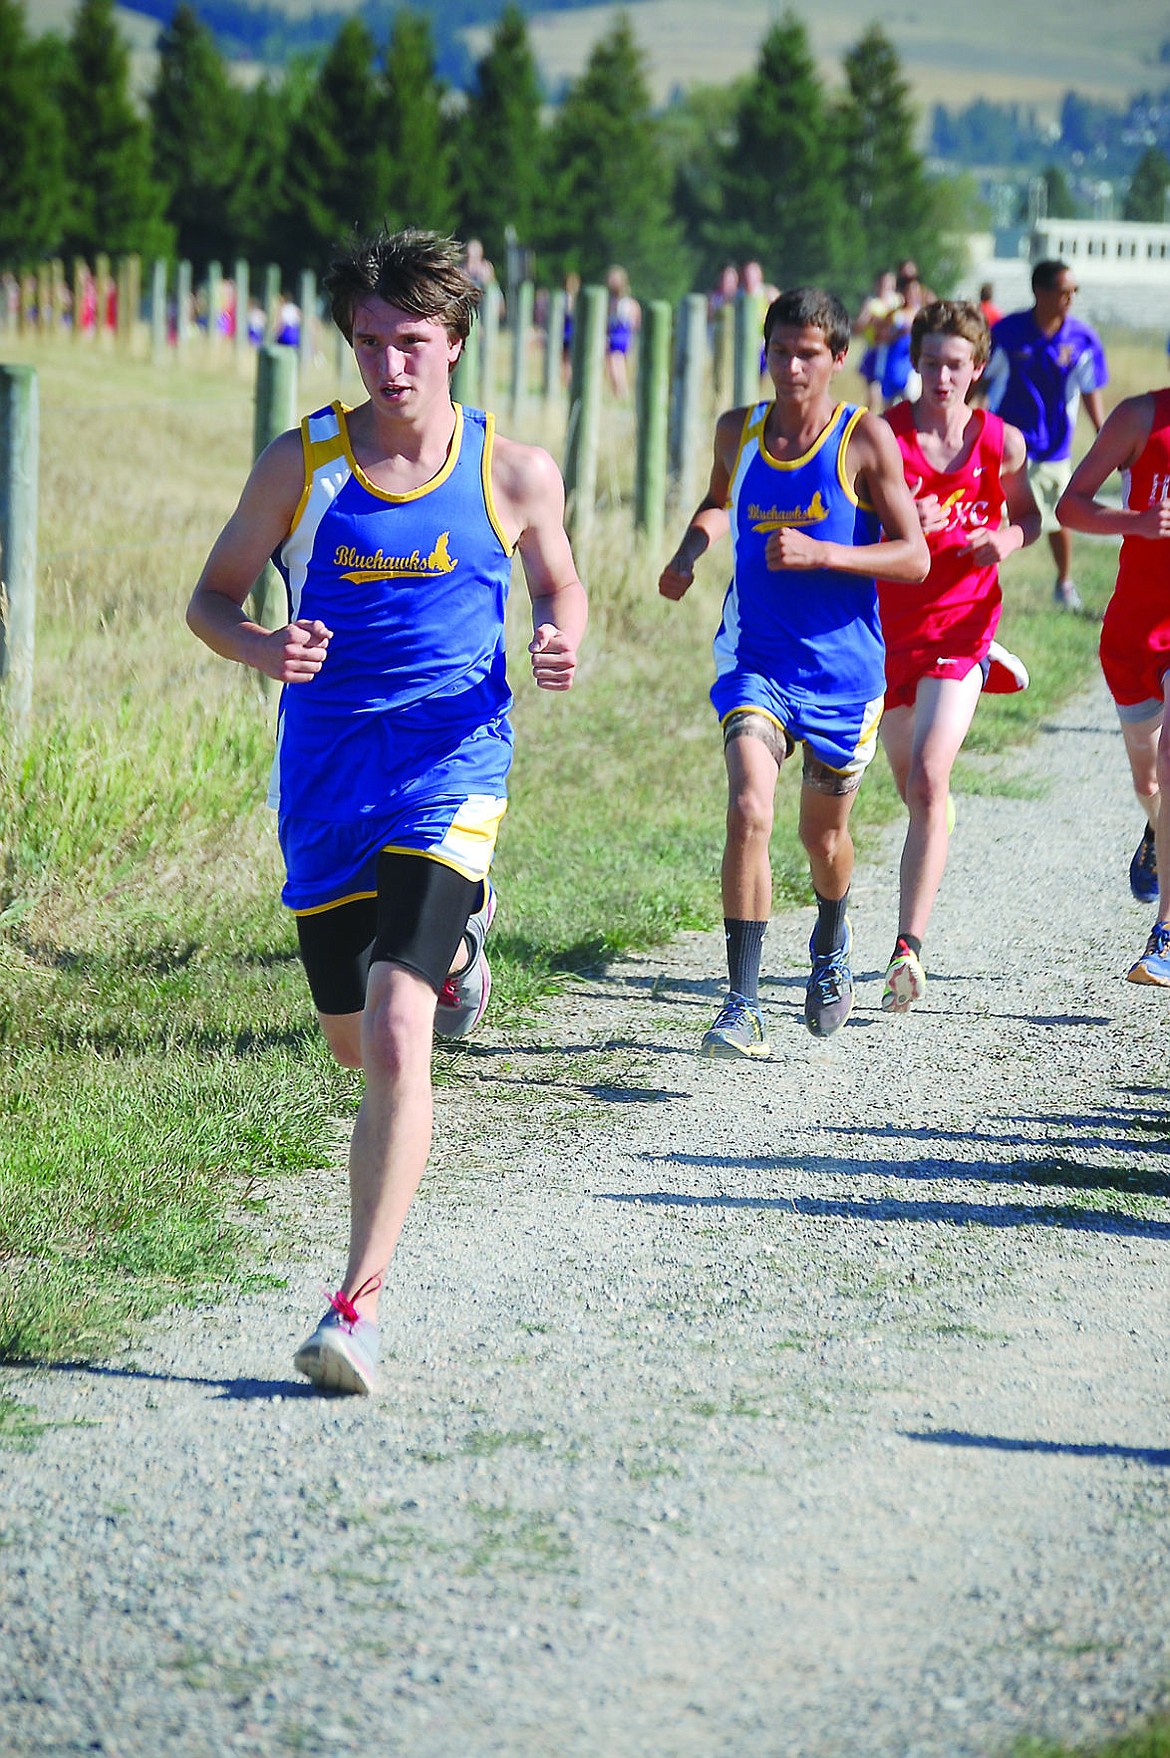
(419, 272)
(811, 308)
(952, 317)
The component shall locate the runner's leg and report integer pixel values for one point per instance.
(943, 711)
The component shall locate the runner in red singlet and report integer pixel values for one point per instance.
(1135, 635)
(963, 467)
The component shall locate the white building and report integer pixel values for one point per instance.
(1122, 268)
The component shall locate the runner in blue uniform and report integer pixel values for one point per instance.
(394, 526)
(805, 486)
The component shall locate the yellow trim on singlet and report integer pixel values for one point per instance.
(489, 502)
(412, 494)
(846, 436)
(806, 457)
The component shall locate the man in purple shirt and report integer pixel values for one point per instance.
(1043, 362)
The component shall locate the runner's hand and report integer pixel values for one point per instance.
(554, 661)
(296, 653)
(676, 577)
(1152, 522)
(787, 548)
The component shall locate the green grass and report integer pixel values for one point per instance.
(163, 1068)
(1150, 1740)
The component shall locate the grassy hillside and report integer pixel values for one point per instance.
(949, 56)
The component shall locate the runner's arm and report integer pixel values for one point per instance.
(875, 463)
(710, 521)
(260, 523)
(530, 492)
(1117, 447)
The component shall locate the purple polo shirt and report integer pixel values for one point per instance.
(1035, 381)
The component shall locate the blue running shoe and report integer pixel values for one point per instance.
(828, 1000)
(737, 1030)
(1143, 869)
(1154, 964)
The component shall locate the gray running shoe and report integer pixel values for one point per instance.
(828, 1000)
(463, 998)
(342, 1353)
(1066, 597)
(737, 1030)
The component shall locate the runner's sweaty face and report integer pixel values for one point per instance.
(800, 362)
(946, 365)
(405, 361)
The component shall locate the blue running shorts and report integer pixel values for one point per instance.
(329, 863)
(841, 735)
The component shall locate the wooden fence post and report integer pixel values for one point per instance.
(272, 291)
(182, 308)
(749, 319)
(307, 300)
(101, 275)
(466, 375)
(489, 345)
(276, 411)
(521, 319)
(725, 354)
(79, 285)
(688, 399)
(554, 345)
(653, 416)
(158, 311)
(129, 300)
(243, 300)
(585, 409)
(214, 302)
(46, 312)
(19, 442)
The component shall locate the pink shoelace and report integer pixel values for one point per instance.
(343, 1303)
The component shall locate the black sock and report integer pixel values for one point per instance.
(909, 943)
(830, 929)
(745, 941)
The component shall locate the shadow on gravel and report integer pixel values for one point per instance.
(957, 1437)
(235, 1391)
(1076, 1220)
(1045, 1173)
(1115, 1132)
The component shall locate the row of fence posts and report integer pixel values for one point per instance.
(672, 424)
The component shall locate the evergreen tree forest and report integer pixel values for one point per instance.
(817, 183)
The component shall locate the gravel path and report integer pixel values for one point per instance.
(816, 1407)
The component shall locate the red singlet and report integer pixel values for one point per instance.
(1135, 635)
(944, 627)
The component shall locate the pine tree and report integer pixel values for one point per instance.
(1146, 196)
(32, 148)
(883, 175)
(255, 208)
(501, 140)
(611, 180)
(115, 203)
(338, 163)
(783, 198)
(419, 137)
(198, 118)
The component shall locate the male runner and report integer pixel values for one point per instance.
(1135, 635)
(962, 466)
(394, 525)
(804, 484)
(1043, 361)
